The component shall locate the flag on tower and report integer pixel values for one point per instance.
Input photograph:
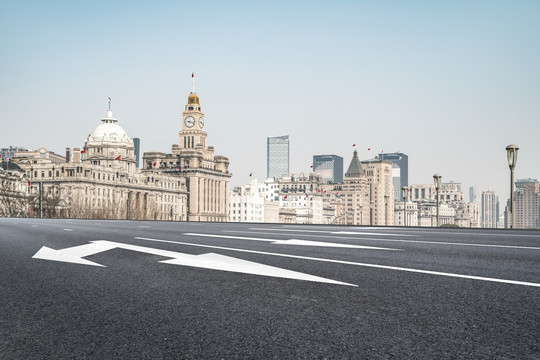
(192, 74)
(118, 157)
(154, 164)
(311, 166)
(369, 149)
(83, 151)
(250, 174)
(29, 183)
(284, 197)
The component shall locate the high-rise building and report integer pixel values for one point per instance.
(527, 204)
(472, 194)
(490, 205)
(329, 167)
(277, 156)
(381, 191)
(137, 144)
(401, 160)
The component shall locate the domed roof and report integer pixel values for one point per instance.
(193, 98)
(109, 131)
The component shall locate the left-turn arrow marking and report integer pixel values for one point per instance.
(207, 261)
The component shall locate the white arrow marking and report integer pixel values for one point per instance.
(505, 281)
(293, 242)
(207, 261)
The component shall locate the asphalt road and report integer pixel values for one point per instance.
(75, 289)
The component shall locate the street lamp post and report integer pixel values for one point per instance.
(437, 181)
(511, 153)
(386, 210)
(360, 207)
(371, 206)
(404, 191)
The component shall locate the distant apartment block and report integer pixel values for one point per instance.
(277, 156)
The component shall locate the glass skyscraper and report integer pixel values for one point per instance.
(277, 156)
(137, 145)
(330, 167)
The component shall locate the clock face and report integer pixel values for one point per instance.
(189, 121)
(201, 122)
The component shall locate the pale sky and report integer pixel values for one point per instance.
(450, 84)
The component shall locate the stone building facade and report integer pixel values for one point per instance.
(206, 175)
(101, 181)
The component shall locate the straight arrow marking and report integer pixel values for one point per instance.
(207, 261)
(504, 281)
(293, 242)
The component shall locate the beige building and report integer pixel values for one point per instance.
(40, 155)
(381, 191)
(351, 199)
(451, 199)
(101, 181)
(527, 204)
(409, 217)
(303, 194)
(247, 203)
(366, 196)
(206, 174)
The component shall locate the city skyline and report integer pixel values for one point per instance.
(446, 84)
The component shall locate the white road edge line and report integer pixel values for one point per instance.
(68, 230)
(395, 240)
(504, 281)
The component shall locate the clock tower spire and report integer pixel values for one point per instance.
(193, 135)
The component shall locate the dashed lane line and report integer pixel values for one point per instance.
(395, 240)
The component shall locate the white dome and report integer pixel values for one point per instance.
(108, 132)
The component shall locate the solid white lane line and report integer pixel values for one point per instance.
(420, 231)
(508, 234)
(481, 278)
(144, 226)
(68, 230)
(292, 242)
(330, 232)
(396, 240)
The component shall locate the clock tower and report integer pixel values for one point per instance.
(192, 135)
(206, 174)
